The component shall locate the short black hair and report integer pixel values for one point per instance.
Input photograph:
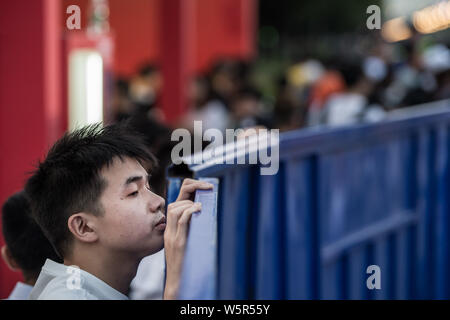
(69, 181)
(28, 245)
(248, 92)
(351, 72)
(122, 86)
(147, 69)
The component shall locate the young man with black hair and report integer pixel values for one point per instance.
(26, 248)
(92, 199)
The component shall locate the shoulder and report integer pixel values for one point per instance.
(58, 289)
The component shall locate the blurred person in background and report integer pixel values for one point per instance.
(381, 94)
(226, 78)
(26, 247)
(145, 90)
(414, 81)
(329, 83)
(443, 80)
(204, 107)
(121, 103)
(349, 106)
(289, 111)
(377, 71)
(247, 110)
(436, 60)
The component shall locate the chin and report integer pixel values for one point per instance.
(154, 249)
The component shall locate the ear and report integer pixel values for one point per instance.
(82, 226)
(9, 260)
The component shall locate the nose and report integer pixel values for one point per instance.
(157, 203)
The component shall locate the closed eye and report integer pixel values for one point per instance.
(133, 194)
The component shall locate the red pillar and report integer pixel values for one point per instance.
(177, 41)
(225, 28)
(193, 34)
(30, 95)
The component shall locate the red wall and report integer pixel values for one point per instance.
(30, 92)
(222, 28)
(136, 26)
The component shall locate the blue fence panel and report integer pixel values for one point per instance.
(301, 237)
(235, 230)
(442, 214)
(342, 200)
(270, 233)
(173, 189)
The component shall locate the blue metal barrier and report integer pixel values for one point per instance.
(342, 200)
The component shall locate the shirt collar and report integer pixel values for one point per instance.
(21, 291)
(88, 282)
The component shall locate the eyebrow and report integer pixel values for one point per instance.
(134, 179)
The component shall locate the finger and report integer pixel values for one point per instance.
(192, 185)
(179, 208)
(174, 211)
(183, 223)
(187, 181)
(187, 191)
(176, 204)
(197, 206)
(173, 215)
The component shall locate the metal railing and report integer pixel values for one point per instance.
(342, 200)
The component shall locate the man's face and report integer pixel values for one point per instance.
(133, 220)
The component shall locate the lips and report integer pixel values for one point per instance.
(161, 225)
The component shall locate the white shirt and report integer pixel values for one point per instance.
(214, 115)
(149, 281)
(344, 108)
(60, 282)
(20, 292)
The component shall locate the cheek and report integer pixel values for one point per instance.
(125, 223)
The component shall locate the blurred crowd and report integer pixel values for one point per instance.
(333, 91)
